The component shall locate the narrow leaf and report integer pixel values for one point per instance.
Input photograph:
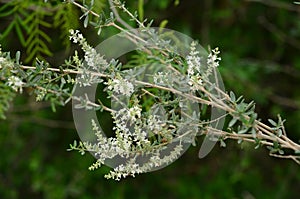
(18, 54)
(86, 21)
(272, 122)
(141, 9)
(232, 122)
(20, 34)
(232, 96)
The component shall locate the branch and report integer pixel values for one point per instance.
(264, 132)
(117, 16)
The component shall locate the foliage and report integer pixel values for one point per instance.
(237, 173)
(33, 22)
(50, 84)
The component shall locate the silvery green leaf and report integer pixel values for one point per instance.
(272, 122)
(18, 57)
(279, 132)
(232, 96)
(99, 31)
(86, 21)
(222, 143)
(242, 131)
(232, 122)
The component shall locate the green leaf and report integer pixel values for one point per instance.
(29, 20)
(99, 31)
(86, 21)
(281, 152)
(8, 29)
(45, 36)
(163, 25)
(18, 54)
(9, 10)
(242, 131)
(222, 143)
(36, 79)
(31, 38)
(45, 24)
(141, 9)
(241, 107)
(232, 96)
(31, 55)
(20, 34)
(21, 22)
(279, 132)
(253, 132)
(232, 122)
(272, 122)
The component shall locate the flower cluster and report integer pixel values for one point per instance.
(213, 59)
(76, 36)
(94, 62)
(5, 63)
(131, 144)
(93, 59)
(15, 83)
(193, 60)
(121, 86)
(132, 168)
(160, 78)
(194, 67)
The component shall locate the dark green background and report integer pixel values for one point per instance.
(260, 45)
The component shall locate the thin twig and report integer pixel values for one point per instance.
(295, 158)
(117, 16)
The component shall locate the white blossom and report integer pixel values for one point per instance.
(5, 63)
(15, 83)
(195, 81)
(121, 86)
(76, 36)
(194, 66)
(154, 123)
(160, 78)
(94, 59)
(135, 112)
(213, 59)
(193, 61)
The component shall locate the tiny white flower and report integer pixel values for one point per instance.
(75, 36)
(135, 112)
(160, 78)
(80, 36)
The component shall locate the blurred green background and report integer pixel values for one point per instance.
(260, 45)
